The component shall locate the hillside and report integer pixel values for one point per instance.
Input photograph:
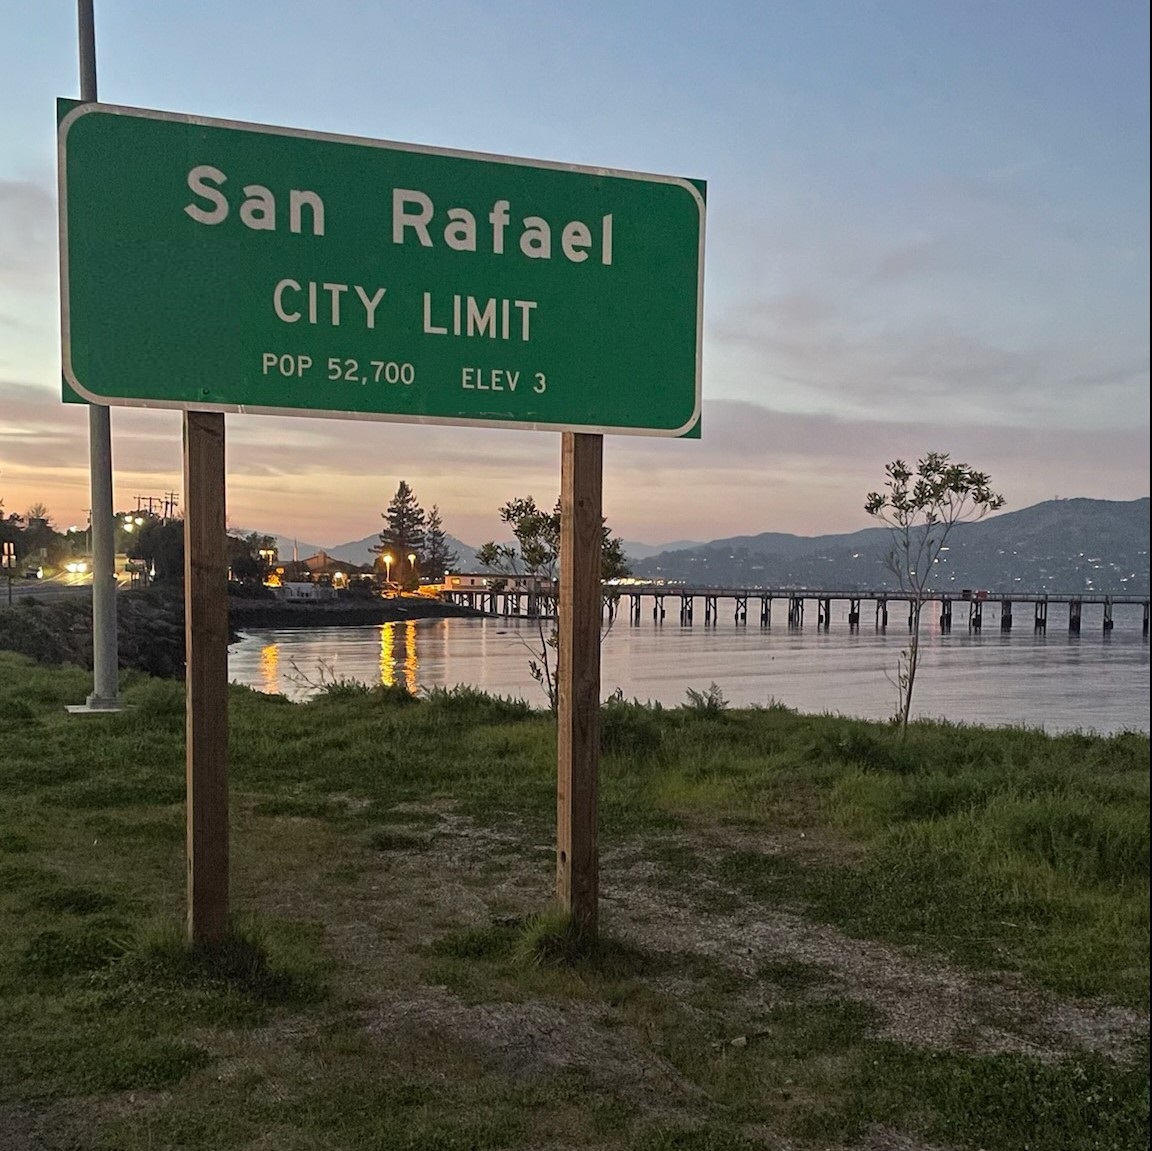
(360, 551)
(1056, 546)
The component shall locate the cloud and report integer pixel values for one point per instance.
(835, 356)
(759, 470)
(911, 260)
(754, 470)
(27, 235)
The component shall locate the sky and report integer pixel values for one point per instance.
(927, 230)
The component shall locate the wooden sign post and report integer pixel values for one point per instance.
(206, 677)
(578, 666)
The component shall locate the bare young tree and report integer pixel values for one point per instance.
(534, 560)
(921, 508)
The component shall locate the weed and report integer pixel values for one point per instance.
(465, 701)
(631, 731)
(553, 938)
(709, 702)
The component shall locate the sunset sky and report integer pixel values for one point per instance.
(927, 230)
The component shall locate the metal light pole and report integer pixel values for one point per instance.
(105, 657)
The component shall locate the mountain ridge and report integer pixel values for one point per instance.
(1063, 545)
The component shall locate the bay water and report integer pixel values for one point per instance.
(1051, 680)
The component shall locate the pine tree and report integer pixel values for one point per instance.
(403, 535)
(438, 558)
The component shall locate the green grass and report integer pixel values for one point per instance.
(389, 851)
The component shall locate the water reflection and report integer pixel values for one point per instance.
(387, 648)
(270, 668)
(388, 662)
(1054, 680)
(410, 662)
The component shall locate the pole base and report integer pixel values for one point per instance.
(95, 706)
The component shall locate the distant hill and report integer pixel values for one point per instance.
(1056, 546)
(359, 551)
(636, 551)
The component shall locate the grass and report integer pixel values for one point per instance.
(396, 978)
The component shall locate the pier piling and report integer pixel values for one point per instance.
(508, 600)
(946, 615)
(976, 615)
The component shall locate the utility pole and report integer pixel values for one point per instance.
(105, 656)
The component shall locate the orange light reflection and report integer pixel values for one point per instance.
(270, 668)
(387, 654)
(411, 663)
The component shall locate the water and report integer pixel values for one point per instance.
(1055, 681)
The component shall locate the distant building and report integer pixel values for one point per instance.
(493, 581)
(294, 592)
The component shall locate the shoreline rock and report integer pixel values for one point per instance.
(245, 613)
(150, 624)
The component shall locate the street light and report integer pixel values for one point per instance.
(412, 565)
(387, 557)
(9, 562)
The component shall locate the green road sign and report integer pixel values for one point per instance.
(214, 265)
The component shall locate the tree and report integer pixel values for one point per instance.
(534, 561)
(403, 535)
(12, 529)
(160, 544)
(39, 511)
(38, 537)
(248, 557)
(921, 508)
(438, 558)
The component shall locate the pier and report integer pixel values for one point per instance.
(709, 605)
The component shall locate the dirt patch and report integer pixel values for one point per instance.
(466, 874)
(529, 1038)
(922, 1000)
(462, 874)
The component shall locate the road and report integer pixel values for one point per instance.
(55, 587)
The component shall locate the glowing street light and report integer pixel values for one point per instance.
(412, 565)
(387, 557)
